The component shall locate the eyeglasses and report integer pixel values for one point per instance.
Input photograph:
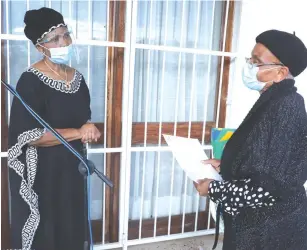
(254, 65)
(57, 38)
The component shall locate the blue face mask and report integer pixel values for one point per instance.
(249, 77)
(61, 55)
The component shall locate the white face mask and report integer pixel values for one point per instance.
(249, 77)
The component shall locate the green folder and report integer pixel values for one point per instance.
(219, 138)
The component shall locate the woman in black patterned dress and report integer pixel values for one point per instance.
(47, 202)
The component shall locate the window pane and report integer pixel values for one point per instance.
(92, 64)
(39, 4)
(80, 19)
(98, 83)
(86, 18)
(99, 16)
(146, 163)
(160, 91)
(76, 14)
(16, 61)
(196, 24)
(15, 24)
(97, 191)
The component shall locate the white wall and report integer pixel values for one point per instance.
(256, 17)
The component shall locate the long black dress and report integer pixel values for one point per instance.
(47, 209)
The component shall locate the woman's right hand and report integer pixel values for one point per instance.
(89, 133)
(214, 163)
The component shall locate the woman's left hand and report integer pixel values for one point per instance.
(202, 186)
(89, 133)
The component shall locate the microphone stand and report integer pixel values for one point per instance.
(86, 167)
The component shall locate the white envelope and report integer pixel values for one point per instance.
(189, 154)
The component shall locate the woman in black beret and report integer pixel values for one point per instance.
(264, 164)
(47, 202)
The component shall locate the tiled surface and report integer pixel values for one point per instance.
(206, 242)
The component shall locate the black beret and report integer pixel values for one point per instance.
(288, 48)
(40, 22)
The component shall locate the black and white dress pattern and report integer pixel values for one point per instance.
(45, 185)
(264, 170)
(235, 195)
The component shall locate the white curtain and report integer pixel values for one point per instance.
(162, 90)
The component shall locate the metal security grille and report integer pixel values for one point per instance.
(152, 67)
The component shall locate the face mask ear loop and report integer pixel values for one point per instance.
(272, 81)
(43, 51)
(270, 69)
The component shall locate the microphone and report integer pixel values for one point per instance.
(90, 166)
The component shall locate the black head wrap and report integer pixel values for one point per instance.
(40, 22)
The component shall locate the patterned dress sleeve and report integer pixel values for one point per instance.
(236, 195)
(23, 157)
(21, 121)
